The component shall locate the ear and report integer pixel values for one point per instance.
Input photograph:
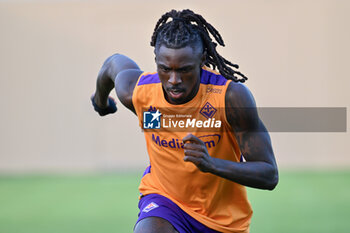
(155, 54)
(204, 58)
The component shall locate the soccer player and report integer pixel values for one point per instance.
(200, 165)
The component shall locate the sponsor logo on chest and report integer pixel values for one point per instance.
(155, 119)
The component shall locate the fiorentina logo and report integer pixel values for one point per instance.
(208, 110)
(150, 207)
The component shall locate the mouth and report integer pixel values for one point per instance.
(176, 93)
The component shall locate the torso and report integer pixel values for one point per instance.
(216, 202)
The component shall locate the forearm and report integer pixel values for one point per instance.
(257, 174)
(104, 86)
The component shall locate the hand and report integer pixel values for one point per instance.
(197, 153)
(111, 106)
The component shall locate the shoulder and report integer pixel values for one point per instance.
(212, 77)
(238, 95)
(240, 107)
(148, 78)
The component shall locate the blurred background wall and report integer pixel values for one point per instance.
(295, 54)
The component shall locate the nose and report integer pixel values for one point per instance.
(174, 79)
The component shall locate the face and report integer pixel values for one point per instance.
(179, 71)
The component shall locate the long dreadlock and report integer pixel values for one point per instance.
(187, 27)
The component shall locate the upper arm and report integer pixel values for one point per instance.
(250, 132)
(125, 83)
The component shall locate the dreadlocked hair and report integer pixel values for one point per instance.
(186, 28)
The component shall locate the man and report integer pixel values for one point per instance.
(196, 178)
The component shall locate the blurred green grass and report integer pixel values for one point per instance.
(303, 202)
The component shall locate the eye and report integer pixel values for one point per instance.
(164, 69)
(185, 69)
